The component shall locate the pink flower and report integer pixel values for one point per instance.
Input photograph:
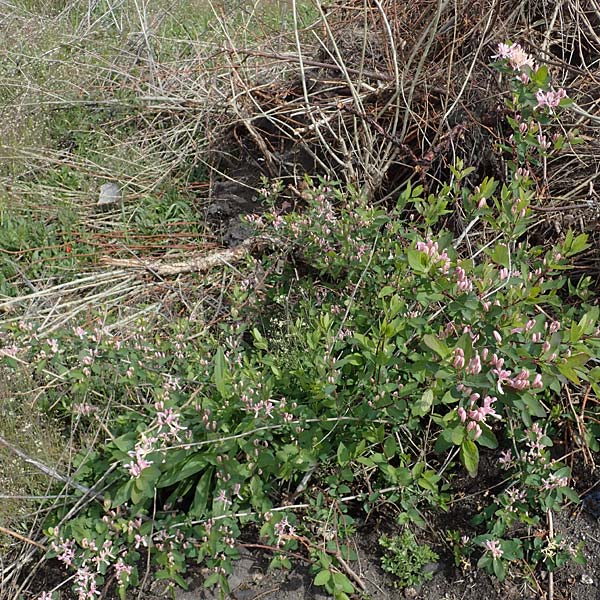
(537, 382)
(464, 283)
(476, 415)
(284, 530)
(504, 51)
(493, 547)
(543, 141)
(122, 568)
(459, 358)
(222, 497)
(141, 450)
(506, 458)
(80, 332)
(497, 337)
(516, 56)
(550, 99)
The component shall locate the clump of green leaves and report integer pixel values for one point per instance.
(406, 559)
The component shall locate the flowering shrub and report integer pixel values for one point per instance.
(403, 352)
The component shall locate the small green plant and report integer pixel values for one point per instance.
(406, 559)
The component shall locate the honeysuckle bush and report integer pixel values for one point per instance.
(373, 363)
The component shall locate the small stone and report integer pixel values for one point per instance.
(586, 579)
(110, 193)
(433, 567)
(591, 503)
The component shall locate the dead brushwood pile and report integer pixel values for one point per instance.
(379, 92)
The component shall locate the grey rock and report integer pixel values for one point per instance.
(235, 233)
(587, 579)
(226, 206)
(110, 194)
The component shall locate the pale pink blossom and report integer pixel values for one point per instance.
(551, 98)
(459, 358)
(493, 547)
(284, 530)
(122, 569)
(506, 458)
(222, 497)
(516, 56)
(80, 332)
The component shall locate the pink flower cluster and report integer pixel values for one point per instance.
(168, 423)
(431, 249)
(553, 481)
(463, 283)
(257, 406)
(123, 569)
(65, 550)
(534, 443)
(284, 531)
(517, 58)
(551, 98)
(85, 584)
(139, 453)
(518, 382)
(493, 547)
(476, 415)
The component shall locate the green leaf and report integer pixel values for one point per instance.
(540, 76)
(190, 467)
(390, 447)
(500, 255)
(203, 488)
(579, 244)
(259, 340)
(487, 437)
(588, 321)
(322, 577)
(499, 569)
(342, 583)
(456, 435)
(123, 494)
(512, 549)
(469, 457)
(386, 291)
(125, 442)
(343, 454)
(219, 372)
(569, 373)
(422, 406)
(417, 260)
(438, 346)
(534, 406)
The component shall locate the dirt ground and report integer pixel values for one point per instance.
(250, 580)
